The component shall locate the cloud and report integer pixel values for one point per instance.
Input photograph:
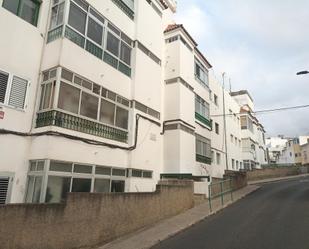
(261, 45)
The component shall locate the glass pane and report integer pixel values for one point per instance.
(33, 166)
(89, 105)
(77, 18)
(37, 189)
(53, 19)
(125, 53)
(11, 5)
(101, 185)
(60, 166)
(117, 186)
(107, 112)
(95, 31)
(122, 116)
(40, 166)
(68, 98)
(29, 11)
(119, 172)
(87, 84)
(78, 168)
(103, 170)
(112, 44)
(30, 187)
(81, 185)
(136, 173)
(96, 89)
(147, 174)
(47, 95)
(66, 75)
(57, 188)
(60, 14)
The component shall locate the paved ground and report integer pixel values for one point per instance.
(148, 237)
(263, 181)
(274, 217)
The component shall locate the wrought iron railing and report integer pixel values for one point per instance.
(67, 121)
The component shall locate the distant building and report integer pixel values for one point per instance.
(275, 146)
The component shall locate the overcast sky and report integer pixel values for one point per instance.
(260, 44)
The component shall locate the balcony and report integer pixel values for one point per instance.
(67, 121)
(203, 120)
(203, 159)
(127, 6)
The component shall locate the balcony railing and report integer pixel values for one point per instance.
(204, 120)
(203, 159)
(67, 121)
(54, 34)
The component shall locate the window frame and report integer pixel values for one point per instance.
(19, 10)
(9, 89)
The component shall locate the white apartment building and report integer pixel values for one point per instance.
(275, 146)
(254, 153)
(106, 96)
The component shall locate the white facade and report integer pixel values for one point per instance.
(107, 96)
(275, 146)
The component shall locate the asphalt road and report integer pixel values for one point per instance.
(274, 217)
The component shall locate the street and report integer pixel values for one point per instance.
(276, 217)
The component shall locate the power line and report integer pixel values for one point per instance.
(266, 110)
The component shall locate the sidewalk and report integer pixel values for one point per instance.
(276, 179)
(150, 236)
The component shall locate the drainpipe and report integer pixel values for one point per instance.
(224, 124)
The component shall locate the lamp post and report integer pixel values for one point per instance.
(302, 72)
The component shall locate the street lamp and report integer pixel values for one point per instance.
(302, 72)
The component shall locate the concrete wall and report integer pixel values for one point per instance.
(260, 174)
(90, 219)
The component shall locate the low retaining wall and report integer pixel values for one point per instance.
(260, 174)
(89, 219)
(239, 178)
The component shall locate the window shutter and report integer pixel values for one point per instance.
(3, 85)
(18, 92)
(4, 186)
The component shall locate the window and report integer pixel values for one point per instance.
(102, 185)
(68, 98)
(77, 18)
(57, 189)
(246, 123)
(57, 14)
(203, 147)
(235, 140)
(201, 107)
(89, 105)
(117, 186)
(81, 185)
(125, 53)
(95, 31)
(34, 189)
(236, 164)
(4, 189)
(112, 44)
(232, 138)
(13, 90)
(240, 165)
(233, 164)
(218, 156)
(28, 10)
(215, 99)
(201, 73)
(82, 97)
(217, 128)
(213, 156)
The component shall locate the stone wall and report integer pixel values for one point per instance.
(260, 174)
(239, 178)
(89, 219)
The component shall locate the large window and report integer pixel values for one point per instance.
(13, 90)
(82, 97)
(246, 123)
(203, 148)
(26, 9)
(201, 107)
(90, 30)
(201, 73)
(57, 15)
(50, 181)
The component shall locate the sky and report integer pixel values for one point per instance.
(260, 44)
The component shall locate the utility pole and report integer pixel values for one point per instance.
(224, 123)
